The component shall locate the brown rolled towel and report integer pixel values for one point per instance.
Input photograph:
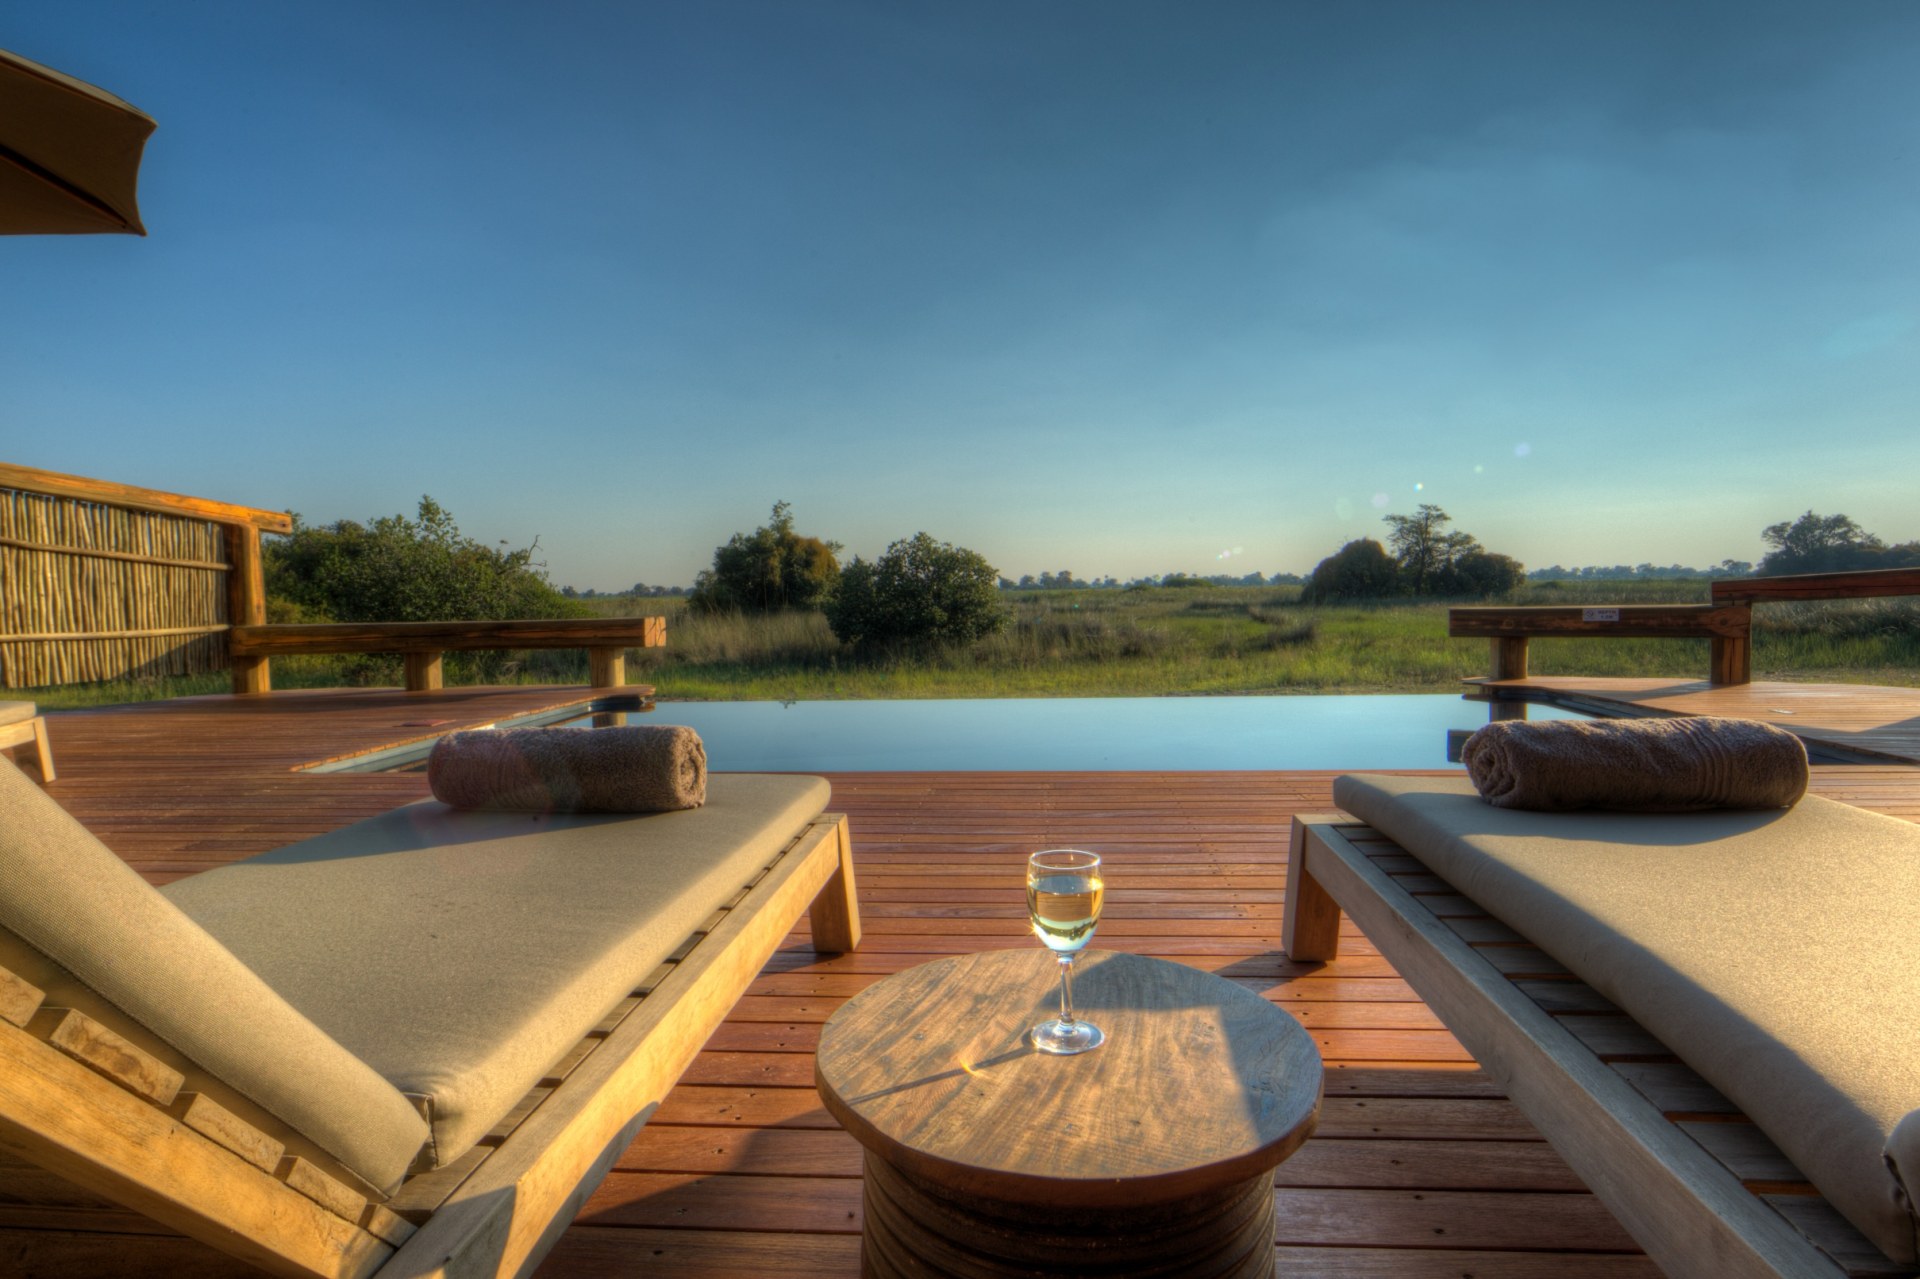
(1653, 765)
(571, 770)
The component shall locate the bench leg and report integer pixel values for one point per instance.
(835, 913)
(1509, 657)
(424, 672)
(1312, 927)
(608, 666)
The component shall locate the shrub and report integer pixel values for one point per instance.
(1360, 570)
(920, 591)
(401, 570)
(1482, 573)
(769, 569)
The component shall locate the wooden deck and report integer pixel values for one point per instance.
(1420, 1169)
(1874, 722)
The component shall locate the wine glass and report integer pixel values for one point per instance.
(1064, 890)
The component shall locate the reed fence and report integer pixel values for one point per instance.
(98, 592)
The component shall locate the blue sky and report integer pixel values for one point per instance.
(1110, 287)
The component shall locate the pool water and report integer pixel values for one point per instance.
(1090, 734)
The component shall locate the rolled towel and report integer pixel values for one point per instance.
(599, 770)
(1651, 765)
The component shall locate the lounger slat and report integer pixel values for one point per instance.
(216, 1123)
(422, 1196)
(1674, 1088)
(1611, 1038)
(329, 1192)
(20, 999)
(93, 1045)
(1745, 1150)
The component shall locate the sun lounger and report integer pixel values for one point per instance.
(1776, 954)
(20, 723)
(409, 1047)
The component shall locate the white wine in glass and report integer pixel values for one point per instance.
(1064, 891)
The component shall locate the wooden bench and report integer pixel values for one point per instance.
(1685, 1172)
(1727, 621)
(423, 643)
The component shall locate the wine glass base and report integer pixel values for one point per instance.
(1063, 1038)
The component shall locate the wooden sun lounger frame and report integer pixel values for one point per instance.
(101, 1114)
(1692, 1213)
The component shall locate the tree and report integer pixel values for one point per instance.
(920, 591)
(1424, 548)
(767, 570)
(1819, 544)
(1361, 569)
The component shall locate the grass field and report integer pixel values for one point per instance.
(1163, 641)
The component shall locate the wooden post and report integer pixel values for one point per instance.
(423, 672)
(1498, 710)
(608, 666)
(1509, 657)
(1731, 661)
(246, 604)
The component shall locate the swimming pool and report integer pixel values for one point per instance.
(1093, 734)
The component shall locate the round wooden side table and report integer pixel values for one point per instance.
(1152, 1155)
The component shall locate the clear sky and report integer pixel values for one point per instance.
(1103, 286)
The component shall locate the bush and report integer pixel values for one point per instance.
(402, 570)
(769, 569)
(920, 591)
(1360, 570)
(1482, 573)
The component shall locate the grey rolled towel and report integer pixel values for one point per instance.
(1651, 765)
(570, 770)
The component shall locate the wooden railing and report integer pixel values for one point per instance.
(90, 592)
(1727, 622)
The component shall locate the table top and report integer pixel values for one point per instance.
(1201, 1082)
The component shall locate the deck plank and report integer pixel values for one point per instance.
(1420, 1167)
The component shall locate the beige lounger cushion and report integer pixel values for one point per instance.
(97, 924)
(1777, 953)
(16, 712)
(462, 953)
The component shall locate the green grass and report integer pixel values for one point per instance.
(1132, 643)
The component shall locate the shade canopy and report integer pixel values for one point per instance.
(69, 154)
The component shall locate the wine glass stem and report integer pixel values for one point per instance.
(1066, 988)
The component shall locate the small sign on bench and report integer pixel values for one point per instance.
(1599, 614)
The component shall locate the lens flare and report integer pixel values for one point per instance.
(1522, 449)
(1380, 501)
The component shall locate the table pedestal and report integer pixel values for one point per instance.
(918, 1230)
